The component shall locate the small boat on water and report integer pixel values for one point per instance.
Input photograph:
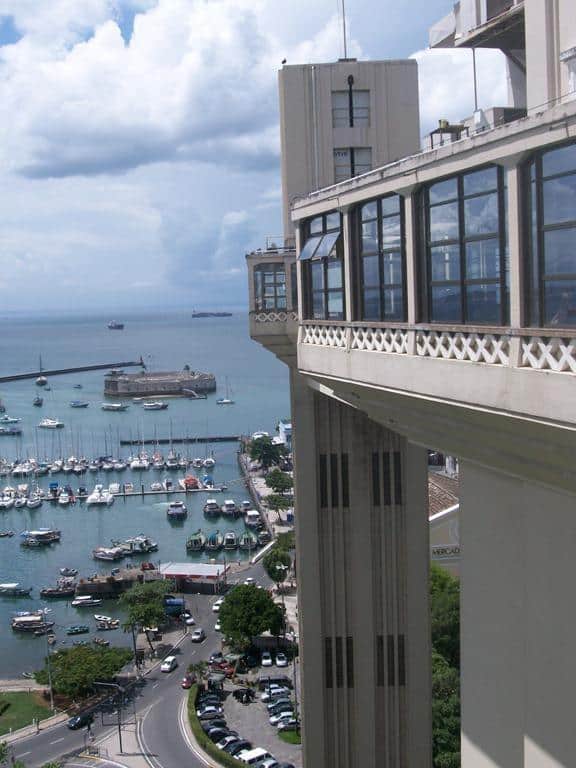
(34, 501)
(176, 510)
(68, 571)
(61, 590)
(6, 502)
(64, 499)
(156, 487)
(38, 401)
(109, 554)
(100, 496)
(30, 621)
(85, 601)
(189, 483)
(19, 502)
(102, 619)
(41, 381)
(14, 590)
(78, 629)
(209, 462)
(155, 405)
(108, 626)
(137, 545)
(41, 537)
(230, 540)
(10, 431)
(214, 541)
(114, 325)
(140, 462)
(48, 423)
(115, 407)
(6, 534)
(101, 641)
(230, 509)
(247, 541)
(77, 386)
(196, 542)
(197, 463)
(79, 404)
(212, 508)
(5, 419)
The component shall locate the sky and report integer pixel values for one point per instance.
(139, 140)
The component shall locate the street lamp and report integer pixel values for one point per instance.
(120, 704)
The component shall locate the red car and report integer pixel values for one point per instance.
(148, 567)
(187, 681)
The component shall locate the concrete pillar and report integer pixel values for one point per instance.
(517, 622)
(349, 281)
(362, 539)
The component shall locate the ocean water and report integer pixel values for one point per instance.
(166, 341)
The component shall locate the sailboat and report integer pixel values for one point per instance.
(41, 381)
(225, 400)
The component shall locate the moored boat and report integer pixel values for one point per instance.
(214, 541)
(196, 542)
(247, 541)
(38, 401)
(64, 590)
(108, 626)
(212, 508)
(110, 554)
(30, 622)
(69, 571)
(114, 325)
(230, 540)
(114, 407)
(100, 496)
(230, 509)
(48, 423)
(79, 404)
(137, 545)
(6, 534)
(78, 629)
(85, 601)
(14, 590)
(40, 537)
(155, 405)
(176, 510)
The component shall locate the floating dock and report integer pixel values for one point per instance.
(77, 369)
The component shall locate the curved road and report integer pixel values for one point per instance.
(160, 705)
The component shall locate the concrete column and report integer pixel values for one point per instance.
(300, 283)
(517, 622)
(412, 270)
(362, 537)
(348, 267)
(515, 240)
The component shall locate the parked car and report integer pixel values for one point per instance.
(268, 762)
(229, 739)
(187, 682)
(234, 749)
(274, 692)
(285, 765)
(266, 659)
(216, 657)
(289, 725)
(217, 734)
(275, 719)
(189, 621)
(217, 605)
(265, 681)
(275, 703)
(249, 580)
(217, 627)
(169, 664)
(281, 659)
(198, 635)
(206, 708)
(209, 724)
(210, 715)
(80, 721)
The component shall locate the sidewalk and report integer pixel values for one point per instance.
(30, 730)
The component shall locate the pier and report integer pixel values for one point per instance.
(183, 440)
(75, 369)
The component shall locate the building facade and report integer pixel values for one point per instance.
(435, 307)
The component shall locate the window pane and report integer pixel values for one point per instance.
(361, 98)
(560, 252)
(281, 303)
(335, 305)
(480, 181)
(332, 221)
(559, 199)
(335, 274)
(316, 225)
(445, 263)
(390, 205)
(392, 268)
(560, 302)
(446, 304)
(361, 107)
(369, 211)
(280, 275)
(481, 215)
(371, 304)
(483, 260)
(310, 247)
(393, 304)
(340, 99)
(362, 160)
(281, 290)
(370, 273)
(327, 245)
(342, 168)
(483, 303)
(391, 231)
(443, 190)
(294, 286)
(318, 305)
(317, 276)
(559, 160)
(370, 236)
(444, 222)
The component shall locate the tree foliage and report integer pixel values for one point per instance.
(277, 562)
(144, 604)
(266, 452)
(277, 501)
(279, 481)
(445, 615)
(246, 613)
(75, 670)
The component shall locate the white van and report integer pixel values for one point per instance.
(253, 756)
(169, 663)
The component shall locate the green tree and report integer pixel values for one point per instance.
(246, 613)
(279, 481)
(277, 562)
(445, 713)
(144, 604)
(4, 752)
(277, 502)
(75, 670)
(445, 615)
(266, 452)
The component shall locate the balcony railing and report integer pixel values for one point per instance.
(542, 350)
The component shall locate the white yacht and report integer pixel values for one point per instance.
(5, 419)
(19, 502)
(155, 405)
(140, 462)
(6, 502)
(209, 462)
(64, 499)
(48, 423)
(34, 501)
(85, 601)
(114, 406)
(110, 554)
(100, 496)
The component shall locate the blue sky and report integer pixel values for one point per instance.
(139, 151)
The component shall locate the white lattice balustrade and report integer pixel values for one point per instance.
(275, 316)
(325, 336)
(549, 354)
(393, 340)
(472, 347)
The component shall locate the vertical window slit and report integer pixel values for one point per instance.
(345, 480)
(390, 656)
(334, 478)
(323, 481)
(328, 662)
(350, 662)
(379, 660)
(375, 480)
(397, 477)
(387, 479)
(339, 663)
(401, 661)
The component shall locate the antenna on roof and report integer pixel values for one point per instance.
(344, 30)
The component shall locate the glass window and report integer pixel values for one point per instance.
(269, 287)
(294, 285)
(382, 259)
(466, 267)
(342, 116)
(362, 161)
(334, 273)
(326, 246)
(351, 161)
(317, 276)
(551, 210)
(323, 277)
(315, 226)
(310, 247)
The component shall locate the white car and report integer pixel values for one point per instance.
(189, 620)
(217, 627)
(274, 692)
(276, 719)
(249, 580)
(198, 635)
(209, 710)
(266, 659)
(169, 664)
(217, 605)
(281, 659)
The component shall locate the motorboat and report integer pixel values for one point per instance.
(214, 541)
(155, 405)
(176, 510)
(115, 407)
(19, 502)
(77, 386)
(78, 629)
(196, 542)
(172, 461)
(10, 431)
(230, 540)
(106, 626)
(188, 483)
(197, 462)
(34, 501)
(168, 485)
(68, 572)
(56, 466)
(38, 401)
(102, 619)
(140, 462)
(209, 462)
(212, 508)
(114, 325)
(6, 534)
(128, 487)
(247, 541)
(79, 404)
(6, 502)
(137, 545)
(85, 601)
(65, 588)
(64, 499)
(30, 622)
(100, 496)
(42, 536)
(5, 419)
(101, 641)
(159, 464)
(94, 466)
(41, 381)
(120, 465)
(252, 518)
(230, 509)
(110, 554)
(48, 423)
(156, 487)
(114, 488)
(107, 466)
(14, 590)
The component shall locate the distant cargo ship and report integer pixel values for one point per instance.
(113, 325)
(196, 315)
